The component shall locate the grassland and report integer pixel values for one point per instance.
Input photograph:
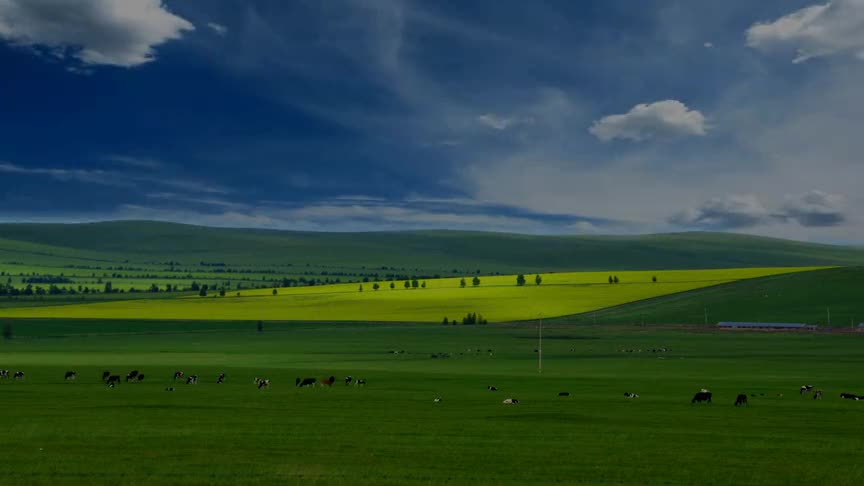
(391, 432)
(496, 298)
(806, 297)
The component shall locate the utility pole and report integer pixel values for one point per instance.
(540, 346)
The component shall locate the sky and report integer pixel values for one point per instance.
(542, 117)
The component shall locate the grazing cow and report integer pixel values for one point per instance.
(328, 381)
(510, 401)
(563, 394)
(113, 380)
(850, 396)
(491, 388)
(702, 396)
(360, 381)
(741, 400)
(805, 389)
(139, 378)
(178, 375)
(348, 380)
(132, 375)
(70, 375)
(192, 380)
(105, 375)
(630, 395)
(4, 374)
(264, 384)
(19, 375)
(817, 395)
(221, 378)
(305, 382)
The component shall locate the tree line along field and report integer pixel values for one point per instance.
(496, 298)
(392, 432)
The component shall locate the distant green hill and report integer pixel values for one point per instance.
(804, 297)
(153, 242)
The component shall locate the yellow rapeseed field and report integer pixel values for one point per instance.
(497, 298)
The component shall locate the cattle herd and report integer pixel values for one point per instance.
(134, 376)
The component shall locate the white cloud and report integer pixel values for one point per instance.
(645, 121)
(502, 123)
(219, 29)
(728, 212)
(96, 32)
(708, 45)
(816, 31)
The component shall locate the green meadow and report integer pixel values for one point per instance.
(497, 298)
(391, 432)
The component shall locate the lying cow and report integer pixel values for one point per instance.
(563, 394)
(264, 384)
(491, 388)
(851, 396)
(510, 401)
(139, 378)
(305, 382)
(702, 396)
(741, 400)
(70, 375)
(360, 381)
(631, 395)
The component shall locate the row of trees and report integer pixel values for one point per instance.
(409, 284)
(470, 319)
(520, 280)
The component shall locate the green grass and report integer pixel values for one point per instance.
(804, 297)
(497, 298)
(391, 432)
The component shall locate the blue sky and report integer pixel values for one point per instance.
(586, 117)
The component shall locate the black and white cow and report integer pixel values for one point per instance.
(510, 401)
(741, 400)
(220, 379)
(19, 375)
(105, 375)
(630, 395)
(70, 375)
(805, 389)
(348, 380)
(305, 382)
(132, 375)
(817, 395)
(851, 396)
(192, 380)
(263, 384)
(702, 396)
(178, 375)
(491, 388)
(140, 377)
(360, 381)
(113, 380)
(4, 374)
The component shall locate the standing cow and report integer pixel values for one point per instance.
(105, 375)
(132, 375)
(328, 381)
(4, 374)
(702, 396)
(113, 381)
(305, 382)
(221, 379)
(741, 400)
(19, 375)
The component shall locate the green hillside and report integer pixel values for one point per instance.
(430, 251)
(804, 297)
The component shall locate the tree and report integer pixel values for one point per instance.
(108, 287)
(361, 287)
(415, 283)
(611, 280)
(202, 292)
(392, 285)
(616, 279)
(520, 280)
(260, 326)
(538, 279)
(462, 283)
(222, 292)
(654, 279)
(476, 281)
(375, 286)
(407, 284)
(423, 285)
(445, 321)
(275, 291)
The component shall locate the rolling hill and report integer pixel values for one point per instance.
(145, 242)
